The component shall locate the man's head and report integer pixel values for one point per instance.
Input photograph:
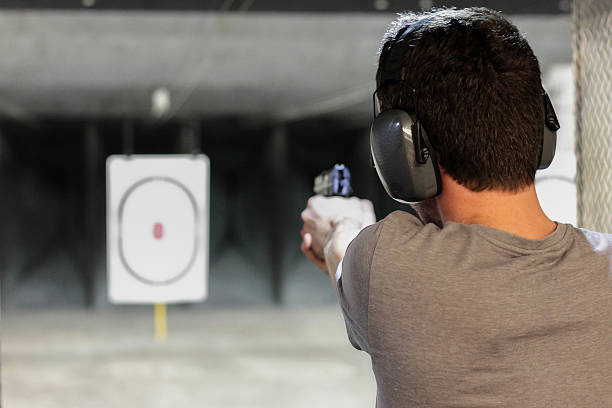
(479, 95)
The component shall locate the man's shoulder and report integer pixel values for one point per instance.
(402, 217)
(395, 221)
(407, 226)
(401, 221)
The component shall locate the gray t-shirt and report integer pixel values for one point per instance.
(471, 316)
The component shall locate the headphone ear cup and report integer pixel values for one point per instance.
(549, 137)
(421, 149)
(393, 140)
(549, 145)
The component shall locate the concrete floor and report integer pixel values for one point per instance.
(272, 357)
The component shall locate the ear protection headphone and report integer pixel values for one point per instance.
(401, 151)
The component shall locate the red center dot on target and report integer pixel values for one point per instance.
(158, 230)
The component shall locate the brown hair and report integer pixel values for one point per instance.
(478, 95)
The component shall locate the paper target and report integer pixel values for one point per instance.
(157, 228)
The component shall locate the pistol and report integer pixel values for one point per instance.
(334, 182)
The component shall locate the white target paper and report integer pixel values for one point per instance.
(157, 228)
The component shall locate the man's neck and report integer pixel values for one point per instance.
(518, 213)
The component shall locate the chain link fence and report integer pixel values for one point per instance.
(592, 54)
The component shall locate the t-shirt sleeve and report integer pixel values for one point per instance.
(353, 284)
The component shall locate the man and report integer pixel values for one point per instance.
(483, 301)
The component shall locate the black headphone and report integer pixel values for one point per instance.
(401, 151)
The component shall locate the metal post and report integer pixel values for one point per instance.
(277, 159)
(92, 202)
(127, 137)
(190, 138)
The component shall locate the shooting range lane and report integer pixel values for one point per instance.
(262, 357)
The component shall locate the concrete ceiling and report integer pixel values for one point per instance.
(270, 65)
(289, 6)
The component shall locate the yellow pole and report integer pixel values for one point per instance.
(161, 328)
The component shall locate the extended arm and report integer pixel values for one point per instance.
(330, 224)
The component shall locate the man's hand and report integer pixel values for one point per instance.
(330, 224)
